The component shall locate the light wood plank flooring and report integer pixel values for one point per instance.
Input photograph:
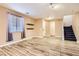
(41, 47)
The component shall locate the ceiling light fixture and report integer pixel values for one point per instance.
(51, 5)
(27, 12)
(54, 5)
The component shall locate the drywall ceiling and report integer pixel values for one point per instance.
(41, 10)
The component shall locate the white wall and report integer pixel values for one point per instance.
(58, 27)
(52, 27)
(67, 20)
(75, 25)
(29, 33)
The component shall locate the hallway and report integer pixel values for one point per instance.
(41, 47)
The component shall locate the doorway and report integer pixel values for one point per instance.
(48, 28)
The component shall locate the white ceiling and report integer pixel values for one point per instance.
(42, 10)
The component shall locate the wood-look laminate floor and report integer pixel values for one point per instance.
(41, 47)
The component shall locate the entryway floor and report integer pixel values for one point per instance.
(49, 46)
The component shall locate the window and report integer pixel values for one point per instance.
(16, 24)
(20, 24)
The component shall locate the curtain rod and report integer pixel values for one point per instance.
(14, 14)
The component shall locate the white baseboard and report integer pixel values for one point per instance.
(13, 42)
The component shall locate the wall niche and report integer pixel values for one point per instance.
(30, 26)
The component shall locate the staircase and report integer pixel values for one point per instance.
(69, 34)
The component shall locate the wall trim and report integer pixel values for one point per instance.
(13, 42)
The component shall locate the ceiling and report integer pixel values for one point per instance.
(42, 10)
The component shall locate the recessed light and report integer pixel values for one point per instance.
(49, 18)
(56, 6)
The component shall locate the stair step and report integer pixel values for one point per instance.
(71, 39)
(69, 36)
(68, 32)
